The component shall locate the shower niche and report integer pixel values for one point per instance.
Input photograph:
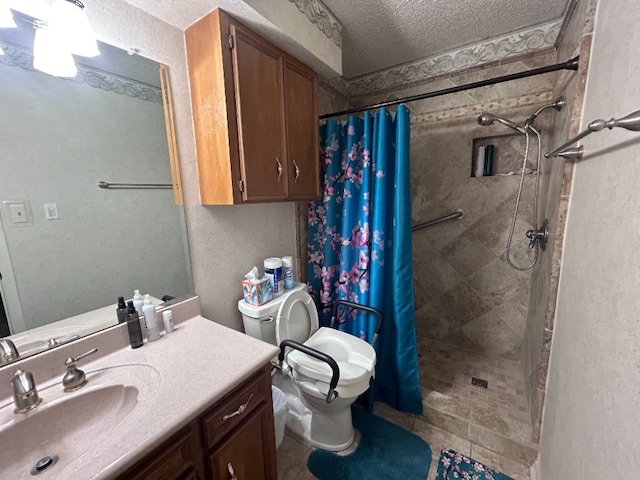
(498, 155)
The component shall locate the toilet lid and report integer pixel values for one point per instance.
(297, 318)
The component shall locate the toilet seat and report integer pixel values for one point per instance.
(297, 320)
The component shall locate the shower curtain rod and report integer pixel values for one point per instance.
(568, 65)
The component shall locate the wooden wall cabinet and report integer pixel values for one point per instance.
(234, 437)
(255, 116)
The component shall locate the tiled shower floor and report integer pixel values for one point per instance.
(492, 425)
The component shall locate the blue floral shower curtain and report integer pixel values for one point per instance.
(360, 244)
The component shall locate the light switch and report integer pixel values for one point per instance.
(51, 211)
(17, 213)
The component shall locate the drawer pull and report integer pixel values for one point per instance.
(295, 180)
(279, 169)
(231, 472)
(240, 410)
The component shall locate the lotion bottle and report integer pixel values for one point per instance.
(167, 319)
(133, 324)
(137, 301)
(150, 323)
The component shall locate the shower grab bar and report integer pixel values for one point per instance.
(102, 184)
(459, 213)
(630, 122)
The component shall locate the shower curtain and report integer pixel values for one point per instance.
(360, 245)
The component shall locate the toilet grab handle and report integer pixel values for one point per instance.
(357, 306)
(331, 394)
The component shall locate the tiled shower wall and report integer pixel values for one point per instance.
(555, 188)
(466, 294)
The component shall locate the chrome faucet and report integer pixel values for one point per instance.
(25, 393)
(8, 351)
(75, 378)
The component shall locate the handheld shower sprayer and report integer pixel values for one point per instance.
(489, 119)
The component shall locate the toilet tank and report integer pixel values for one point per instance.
(260, 322)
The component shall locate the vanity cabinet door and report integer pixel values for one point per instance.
(176, 459)
(257, 74)
(300, 87)
(249, 452)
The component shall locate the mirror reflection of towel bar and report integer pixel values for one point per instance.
(102, 184)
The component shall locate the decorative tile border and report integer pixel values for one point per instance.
(529, 99)
(499, 48)
(18, 57)
(321, 16)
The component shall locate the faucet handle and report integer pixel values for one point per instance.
(8, 351)
(73, 360)
(75, 378)
(25, 393)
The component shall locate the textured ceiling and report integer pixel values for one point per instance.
(378, 34)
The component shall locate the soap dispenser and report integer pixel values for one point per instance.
(150, 323)
(137, 301)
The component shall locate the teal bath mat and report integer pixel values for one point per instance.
(386, 451)
(455, 466)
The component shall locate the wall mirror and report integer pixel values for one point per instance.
(68, 248)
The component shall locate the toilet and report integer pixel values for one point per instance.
(304, 379)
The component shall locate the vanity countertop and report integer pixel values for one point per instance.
(195, 366)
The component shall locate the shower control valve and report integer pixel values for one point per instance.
(539, 236)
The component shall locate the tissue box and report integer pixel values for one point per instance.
(257, 292)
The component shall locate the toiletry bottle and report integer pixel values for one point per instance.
(167, 319)
(273, 270)
(133, 324)
(137, 301)
(287, 272)
(150, 323)
(121, 310)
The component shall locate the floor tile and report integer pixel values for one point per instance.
(292, 460)
(401, 419)
(451, 404)
(515, 451)
(497, 420)
(515, 470)
(439, 439)
(446, 422)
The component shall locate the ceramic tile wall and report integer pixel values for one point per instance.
(554, 195)
(466, 294)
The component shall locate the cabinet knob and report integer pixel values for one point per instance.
(279, 169)
(231, 472)
(295, 180)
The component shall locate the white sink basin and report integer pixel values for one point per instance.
(68, 425)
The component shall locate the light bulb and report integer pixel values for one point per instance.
(69, 21)
(50, 56)
(6, 17)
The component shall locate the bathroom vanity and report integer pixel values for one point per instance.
(234, 437)
(195, 404)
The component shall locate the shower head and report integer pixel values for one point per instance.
(489, 119)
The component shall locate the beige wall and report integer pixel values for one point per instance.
(225, 242)
(466, 294)
(591, 422)
(555, 188)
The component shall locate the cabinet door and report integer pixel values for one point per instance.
(302, 131)
(249, 453)
(257, 73)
